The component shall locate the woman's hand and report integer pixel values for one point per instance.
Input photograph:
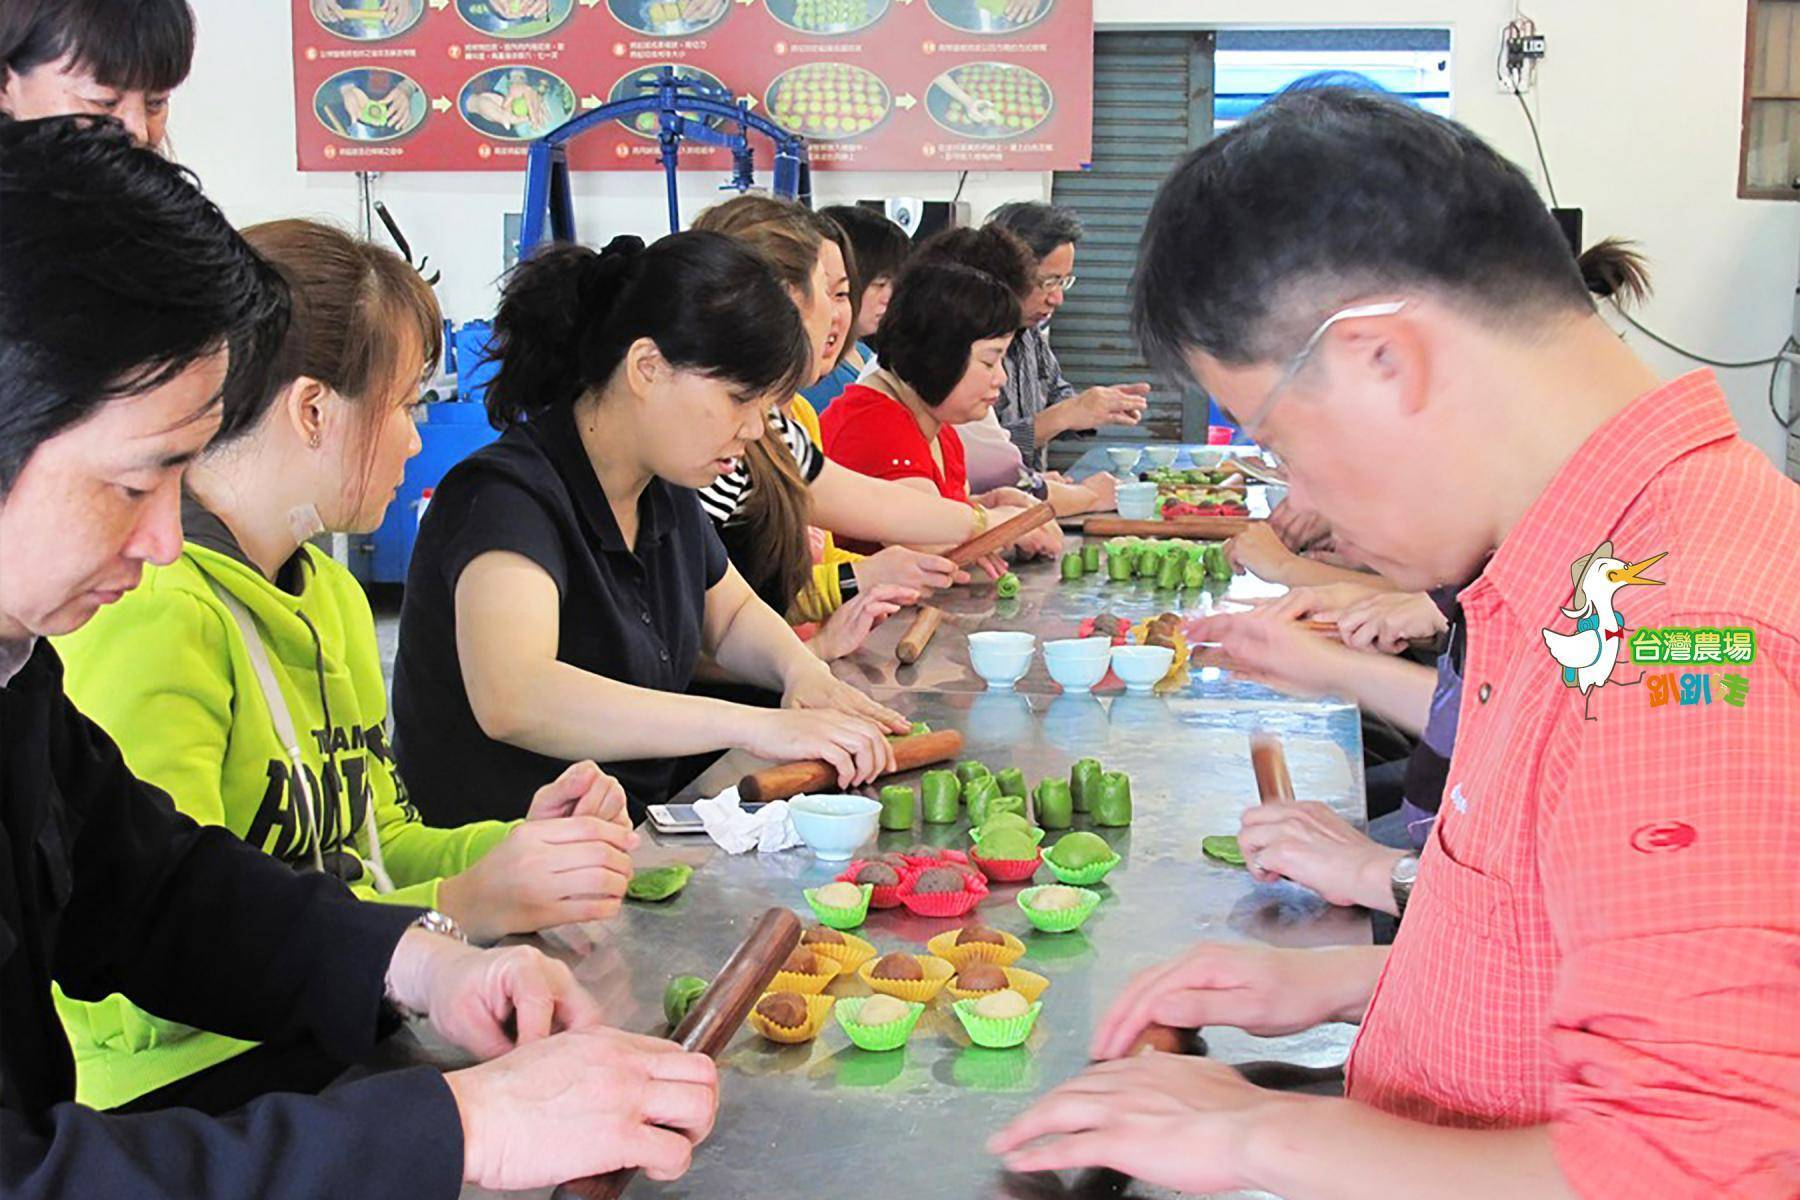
(1259, 989)
(901, 566)
(1387, 621)
(1167, 1119)
(1258, 551)
(845, 630)
(1297, 527)
(1313, 846)
(1279, 653)
(1323, 602)
(1105, 489)
(1004, 497)
(858, 750)
(819, 688)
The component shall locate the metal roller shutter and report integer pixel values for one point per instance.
(1153, 101)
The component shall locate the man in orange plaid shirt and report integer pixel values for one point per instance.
(1596, 989)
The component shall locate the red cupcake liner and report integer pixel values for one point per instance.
(879, 897)
(945, 855)
(1009, 870)
(945, 904)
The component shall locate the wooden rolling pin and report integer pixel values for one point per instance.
(1204, 528)
(1269, 761)
(916, 638)
(791, 779)
(714, 1018)
(1003, 535)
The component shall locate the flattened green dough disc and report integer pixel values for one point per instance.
(1224, 848)
(658, 883)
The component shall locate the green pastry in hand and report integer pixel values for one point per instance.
(1223, 848)
(658, 883)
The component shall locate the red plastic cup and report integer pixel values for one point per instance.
(1218, 435)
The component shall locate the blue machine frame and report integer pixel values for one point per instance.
(682, 106)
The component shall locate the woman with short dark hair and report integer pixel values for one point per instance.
(116, 58)
(943, 347)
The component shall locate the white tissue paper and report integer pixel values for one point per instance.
(735, 831)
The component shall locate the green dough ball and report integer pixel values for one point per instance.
(1005, 820)
(680, 995)
(1079, 850)
(1007, 843)
(1007, 586)
(1223, 848)
(658, 883)
(918, 727)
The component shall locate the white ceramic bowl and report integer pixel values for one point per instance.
(834, 826)
(1078, 663)
(1140, 667)
(1205, 458)
(1123, 458)
(1001, 658)
(1137, 501)
(1162, 457)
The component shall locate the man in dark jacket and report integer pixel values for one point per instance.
(125, 301)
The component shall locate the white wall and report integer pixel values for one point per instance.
(1639, 110)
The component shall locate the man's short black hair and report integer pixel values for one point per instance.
(991, 248)
(132, 45)
(881, 246)
(118, 276)
(1328, 194)
(1041, 226)
(938, 312)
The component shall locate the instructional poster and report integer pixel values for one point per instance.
(887, 85)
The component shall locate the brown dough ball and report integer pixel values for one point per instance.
(939, 881)
(878, 873)
(802, 962)
(818, 935)
(924, 851)
(901, 968)
(784, 1009)
(981, 977)
(979, 935)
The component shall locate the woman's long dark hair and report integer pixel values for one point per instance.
(568, 315)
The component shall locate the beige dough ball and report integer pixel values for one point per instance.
(1002, 1006)
(881, 1010)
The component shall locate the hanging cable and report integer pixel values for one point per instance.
(1543, 163)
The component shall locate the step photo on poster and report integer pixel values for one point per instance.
(367, 20)
(668, 18)
(642, 82)
(370, 104)
(989, 100)
(990, 16)
(828, 101)
(515, 19)
(828, 18)
(516, 103)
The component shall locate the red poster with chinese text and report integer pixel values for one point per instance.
(466, 85)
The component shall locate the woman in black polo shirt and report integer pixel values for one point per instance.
(566, 581)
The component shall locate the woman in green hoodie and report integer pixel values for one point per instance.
(245, 680)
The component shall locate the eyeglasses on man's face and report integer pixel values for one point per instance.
(1297, 363)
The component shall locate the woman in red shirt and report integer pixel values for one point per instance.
(943, 346)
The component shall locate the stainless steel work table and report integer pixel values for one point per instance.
(827, 1119)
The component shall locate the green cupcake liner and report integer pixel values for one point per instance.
(1083, 876)
(841, 918)
(891, 1036)
(996, 1035)
(1063, 920)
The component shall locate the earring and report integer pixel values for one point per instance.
(313, 441)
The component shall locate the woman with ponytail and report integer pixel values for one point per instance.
(566, 581)
(761, 511)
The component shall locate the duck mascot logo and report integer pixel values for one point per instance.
(1588, 655)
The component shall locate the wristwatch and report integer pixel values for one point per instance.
(847, 584)
(1401, 880)
(433, 921)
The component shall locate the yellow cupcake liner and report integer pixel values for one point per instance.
(944, 946)
(920, 991)
(806, 985)
(890, 1036)
(849, 956)
(996, 1035)
(1028, 984)
(817, 1009)
(840, 918)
